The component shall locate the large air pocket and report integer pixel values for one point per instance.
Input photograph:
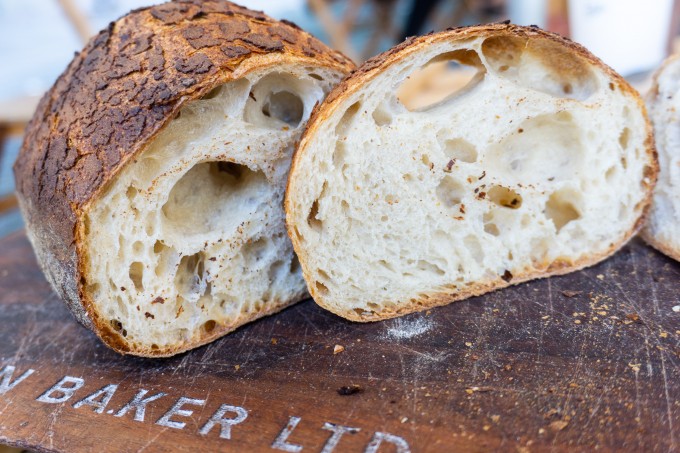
(209, 194)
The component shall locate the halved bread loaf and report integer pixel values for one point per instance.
(662, 230)
(541, 165)
(152, 174)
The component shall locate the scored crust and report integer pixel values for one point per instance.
(372, 69)
(111, 102)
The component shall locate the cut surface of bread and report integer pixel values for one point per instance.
(662, 230)
(541, 164)
(152, 175)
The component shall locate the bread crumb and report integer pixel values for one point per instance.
(577, 321)
(558, 425)
(237, 367)
(635, 366)
(337, 349)
(274, 341)
(404, 419)
(468, 344)
(486, 427)
(663, 334)
(676, 308)
(495, 418)
(571, 294)
(600, 277)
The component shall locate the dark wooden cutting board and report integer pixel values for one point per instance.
(590, 360)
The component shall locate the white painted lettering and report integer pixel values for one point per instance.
(138, 403)
(165, 420)
(338, 432)
(6, 384)
(225, 423)
(60, 388)
(378, 438)
(99, 399)
(281, 442)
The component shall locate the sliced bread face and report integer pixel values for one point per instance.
(189, 241)
(662, 230)
(152, 175)
(543, 163)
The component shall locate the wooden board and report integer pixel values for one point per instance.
(531, 368)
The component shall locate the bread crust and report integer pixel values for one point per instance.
(666, 248)
(113, 99)
(371, 69)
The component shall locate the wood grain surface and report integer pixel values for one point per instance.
(575, 363)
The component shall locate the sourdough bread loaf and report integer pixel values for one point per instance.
(152, 175)
(542, 164)
(662, 230)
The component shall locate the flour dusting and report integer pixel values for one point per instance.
(408, 327)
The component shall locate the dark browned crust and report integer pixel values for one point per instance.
(112, 100)
(374, 67)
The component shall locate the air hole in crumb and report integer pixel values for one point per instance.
(382, 115)
(474, 247)
(212, 94)
(442, 79)
(339, 154)
(315, 76)
(555, 69)
(347, 120)
(560, 209)
(154, 347)
(460, 150)
(116, 324)
(624, 138)
(294, 265)
(425, 159)
(384, 218)
(158, 247)
(137, 275)
(209, 326)
(312, 218)
(489, 226)
(386, 265)
(611, 173)
(430, 268)
(321, 288)
(276, 271)
(131, 192)
(624, 163)
(450, 191)
(209, 192)
(189, 279)
(253, 252)
(138, 247)
(284, 106)
(502, 196)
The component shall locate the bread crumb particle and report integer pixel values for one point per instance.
(337, 349)
(558, 425)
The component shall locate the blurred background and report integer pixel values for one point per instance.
(38, 39)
